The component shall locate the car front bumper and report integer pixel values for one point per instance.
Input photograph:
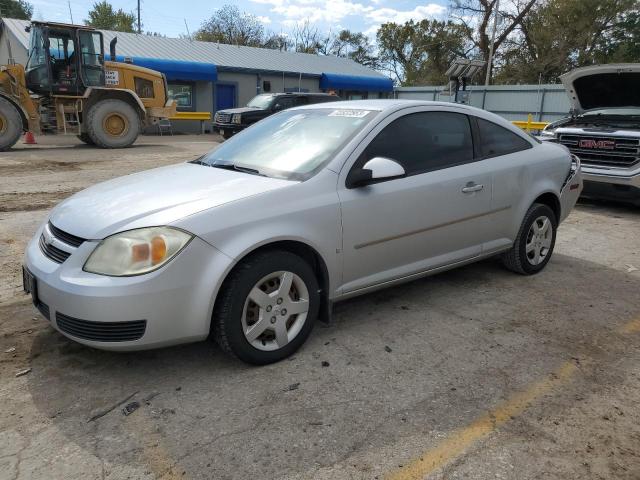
(596, 175)
(607, 185)
(231, 128)
(169, 306)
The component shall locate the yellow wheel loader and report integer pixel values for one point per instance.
(69, 87)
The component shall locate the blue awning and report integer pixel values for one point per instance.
(335, 81)
(177, 69)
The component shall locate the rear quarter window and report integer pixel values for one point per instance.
(496, 140)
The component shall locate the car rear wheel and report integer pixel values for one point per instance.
(534, 244)
(266, 308)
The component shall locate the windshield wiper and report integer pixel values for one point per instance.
(231, 166)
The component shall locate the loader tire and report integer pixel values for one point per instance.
(113, 124)
(84, 137)
(10, 124)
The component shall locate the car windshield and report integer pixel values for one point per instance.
(294, 144)
(261, 101)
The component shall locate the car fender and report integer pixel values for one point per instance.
(306, 212)
(540, 186)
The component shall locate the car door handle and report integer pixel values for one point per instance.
(472, 187)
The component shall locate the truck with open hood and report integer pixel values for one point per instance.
(604, 128)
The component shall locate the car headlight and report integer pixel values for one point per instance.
(236, 118)
(549, 131)
(136, 251)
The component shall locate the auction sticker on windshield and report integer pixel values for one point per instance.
(349, 113)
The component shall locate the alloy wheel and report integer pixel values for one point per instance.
(539, 240)
(275, 310)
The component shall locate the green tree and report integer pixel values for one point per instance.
(277, 41)
(560, 35)
(16, 9)
(419, 53)
(622, 44)
(478, 18)
(104, 17)
(355, 46)
(231, 26)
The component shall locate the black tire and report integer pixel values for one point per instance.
(10, 124)
(127, 124)
(516, 259)
(227, 135)
(84, 137)
(227, 329)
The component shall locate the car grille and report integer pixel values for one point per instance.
(65, 237)
(625, 153)
(101, 331)
(223, 117)
(54, 253)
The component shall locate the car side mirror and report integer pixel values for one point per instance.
(375, 170)
(277, 107)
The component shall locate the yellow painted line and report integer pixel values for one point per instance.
(632, 327)
(462, 439)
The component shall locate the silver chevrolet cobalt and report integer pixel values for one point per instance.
(252, 243)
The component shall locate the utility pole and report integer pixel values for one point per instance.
(139, 29)
(70, 14)
(493, 39)
(188, 32)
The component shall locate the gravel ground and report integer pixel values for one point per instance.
(472, 374)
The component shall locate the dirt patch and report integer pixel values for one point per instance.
(30, 166)
(26, 202)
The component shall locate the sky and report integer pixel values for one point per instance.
(172, 18)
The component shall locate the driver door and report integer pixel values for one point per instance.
(63, 62)
(434, 216)
(91, 58)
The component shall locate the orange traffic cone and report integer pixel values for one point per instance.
(29, 139)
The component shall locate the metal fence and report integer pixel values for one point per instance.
(546, 103)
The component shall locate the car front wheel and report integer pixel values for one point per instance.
(266, 307)
(534, 244)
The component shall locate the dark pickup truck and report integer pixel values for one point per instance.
(231, 121)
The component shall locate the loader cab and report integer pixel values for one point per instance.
(64, 59)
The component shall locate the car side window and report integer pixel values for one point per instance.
(423, 142)
(284, 103)
(302, 101)
(496, 140)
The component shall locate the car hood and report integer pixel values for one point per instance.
(155, 197)
(603, 86)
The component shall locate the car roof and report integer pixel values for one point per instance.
(390, 104)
